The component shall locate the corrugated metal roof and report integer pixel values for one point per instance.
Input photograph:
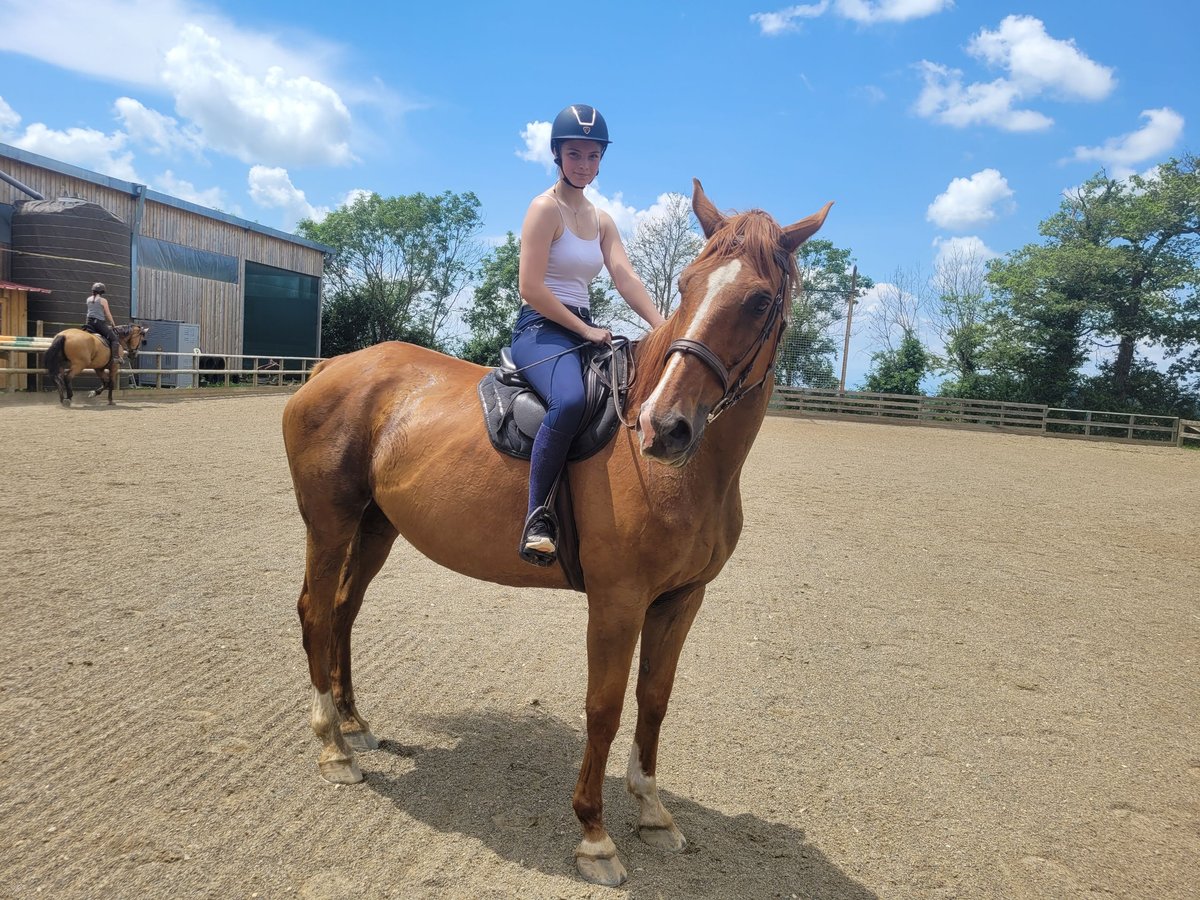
(13, 286)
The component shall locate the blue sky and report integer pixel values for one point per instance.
(930, 123)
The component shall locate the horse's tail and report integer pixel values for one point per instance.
(318, 367)
(56, 355)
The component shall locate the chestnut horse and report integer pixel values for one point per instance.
(390, 441)
(74, 350)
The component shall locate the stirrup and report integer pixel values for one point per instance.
(538, 538)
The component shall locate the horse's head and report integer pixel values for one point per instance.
(735, 300)
(132, 336)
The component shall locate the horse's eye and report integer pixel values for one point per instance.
(759, 303)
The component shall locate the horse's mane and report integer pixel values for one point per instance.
(124, 330)
(753, 237)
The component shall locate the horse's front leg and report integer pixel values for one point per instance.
(667, 624)
(613, 625)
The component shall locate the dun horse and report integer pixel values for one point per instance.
(74, 350)
(390, 441)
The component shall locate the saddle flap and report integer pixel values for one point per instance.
(513, 411)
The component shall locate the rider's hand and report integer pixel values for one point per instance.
(597, 335)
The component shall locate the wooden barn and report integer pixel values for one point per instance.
(251, 289)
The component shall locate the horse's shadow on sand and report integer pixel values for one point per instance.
(507, 782)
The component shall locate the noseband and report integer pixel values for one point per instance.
(733, 388)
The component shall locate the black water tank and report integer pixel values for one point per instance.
(66, 245)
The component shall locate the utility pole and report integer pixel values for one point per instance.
(851, 299)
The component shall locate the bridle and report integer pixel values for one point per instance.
(734, 389)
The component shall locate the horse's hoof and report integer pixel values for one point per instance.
(598, 863)
(662, 837)
(361, 740)
(605, 870)
(340, 771)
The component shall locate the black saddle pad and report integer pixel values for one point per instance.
(513, 412)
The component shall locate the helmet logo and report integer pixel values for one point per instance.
(586, 126)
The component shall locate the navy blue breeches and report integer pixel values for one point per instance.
(559, 382)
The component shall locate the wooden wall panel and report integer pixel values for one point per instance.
(216, 306)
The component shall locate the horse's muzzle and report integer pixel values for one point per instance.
(671, 438)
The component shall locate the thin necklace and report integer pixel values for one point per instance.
(574, 211)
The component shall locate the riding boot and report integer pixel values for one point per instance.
(539, 537)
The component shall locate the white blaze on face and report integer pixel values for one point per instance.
(719, 279)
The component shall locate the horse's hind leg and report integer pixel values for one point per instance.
(64, 389)
(374, 542)
(329, 556)
(666, 627)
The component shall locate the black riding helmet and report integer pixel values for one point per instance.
(579, 122)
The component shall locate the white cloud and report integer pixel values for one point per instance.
(281, 118)
(9, 120)
(260, 97)
(272, 187)
(969, 202)
(784, 20)
(354, 195)
(168, 183)
(84, 147)
(160, 134)
(625, 217)
(536, 136)
(1035, 64)
(865, 12)
(1162, 131)
(945, 99)
(65, 33)
(961, 248)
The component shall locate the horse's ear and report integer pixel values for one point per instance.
(710, 220)
(795, 235)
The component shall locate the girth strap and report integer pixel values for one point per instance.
(687, 345)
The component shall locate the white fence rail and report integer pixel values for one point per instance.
(166, 369)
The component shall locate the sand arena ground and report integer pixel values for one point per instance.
(940, 664)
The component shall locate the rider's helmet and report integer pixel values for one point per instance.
(578, 122)
(98, 288)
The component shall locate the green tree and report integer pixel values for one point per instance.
(398, 265)
(1119, 269)
(495, 304)
(959, 318)
(899, 371)
(808, 349)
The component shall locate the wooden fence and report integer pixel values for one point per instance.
(989, 415)
(1189, 431)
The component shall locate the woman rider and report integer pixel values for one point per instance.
(100, 320)
(564, 242)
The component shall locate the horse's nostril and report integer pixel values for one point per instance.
(680, 433)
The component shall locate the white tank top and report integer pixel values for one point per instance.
(572, 265)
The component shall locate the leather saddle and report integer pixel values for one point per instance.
(513, 412)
